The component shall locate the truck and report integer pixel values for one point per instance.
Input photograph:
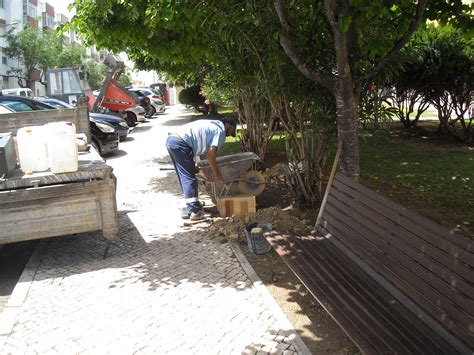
(42, 205)
(70, 85)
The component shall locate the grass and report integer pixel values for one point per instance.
(438, 181)
(232, 145)
(432, 177)
(428, 114)
(226, 110)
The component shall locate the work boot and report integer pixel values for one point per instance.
(197, 216)
(184, 213)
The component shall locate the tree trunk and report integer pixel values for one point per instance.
(347, 125)
(256, 116)
(306, 149)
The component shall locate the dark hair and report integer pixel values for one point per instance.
(231, 121)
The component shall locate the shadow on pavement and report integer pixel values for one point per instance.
(128, 139)
(154, 259)
(140, 128)
(180, 120)
(13, 258)
(117, 154)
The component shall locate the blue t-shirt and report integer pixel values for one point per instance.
(201, 135)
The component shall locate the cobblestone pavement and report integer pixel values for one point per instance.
(161, 289)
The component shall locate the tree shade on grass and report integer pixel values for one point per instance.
(435, 180)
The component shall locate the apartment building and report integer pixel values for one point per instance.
(11, 16)
(14, 14)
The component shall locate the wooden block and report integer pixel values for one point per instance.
(238, 205)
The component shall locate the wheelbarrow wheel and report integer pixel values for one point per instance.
(252, 183)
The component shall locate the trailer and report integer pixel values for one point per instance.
(42, 205)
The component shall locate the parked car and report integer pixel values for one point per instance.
(104, 138)
(155, 97)
(121, 127)
(133, 115)
(103, 135)
(5, 109)
(144, 102)
(26, 92)
(23, 104)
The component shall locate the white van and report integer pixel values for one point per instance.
(26, 92)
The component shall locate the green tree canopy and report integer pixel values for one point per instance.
(70, 56)
(33, 50)
(125, 80)
(37, 51)
(337, 44)
(96, 73)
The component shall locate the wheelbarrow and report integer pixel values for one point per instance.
(235, 168)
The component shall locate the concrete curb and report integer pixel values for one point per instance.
(18, 296)
(270, 301)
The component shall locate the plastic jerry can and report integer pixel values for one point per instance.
(32, 149)
(62, 147)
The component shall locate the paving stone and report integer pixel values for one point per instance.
(161, 289)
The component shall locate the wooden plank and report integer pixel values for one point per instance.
(321, 290)
(239, 205)
(330, 181)
(407, 226)
(376, 203)
(58, 191)
(373, 312)
(398, 320)
(393, 270)
(438, 232)
(58, 219)
(353, 299)
(453, 269)
(442, 333)
(55, 210)
(406, 247)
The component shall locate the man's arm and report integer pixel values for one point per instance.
(211, 158)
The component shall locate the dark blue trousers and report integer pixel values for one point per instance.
(183, 160)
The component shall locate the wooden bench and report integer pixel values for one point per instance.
(394, 281)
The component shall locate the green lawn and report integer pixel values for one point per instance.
(434, 178)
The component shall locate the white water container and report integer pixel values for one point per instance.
(62, 148)
(32, 149)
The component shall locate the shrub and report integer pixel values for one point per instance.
(191, 97)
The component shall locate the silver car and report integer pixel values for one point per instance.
(155, 96)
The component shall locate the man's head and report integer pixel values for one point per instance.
(230, 124)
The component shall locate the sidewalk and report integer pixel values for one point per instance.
(161, 289)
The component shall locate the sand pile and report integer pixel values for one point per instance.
(233, 228)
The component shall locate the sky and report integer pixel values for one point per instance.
(60, 6)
